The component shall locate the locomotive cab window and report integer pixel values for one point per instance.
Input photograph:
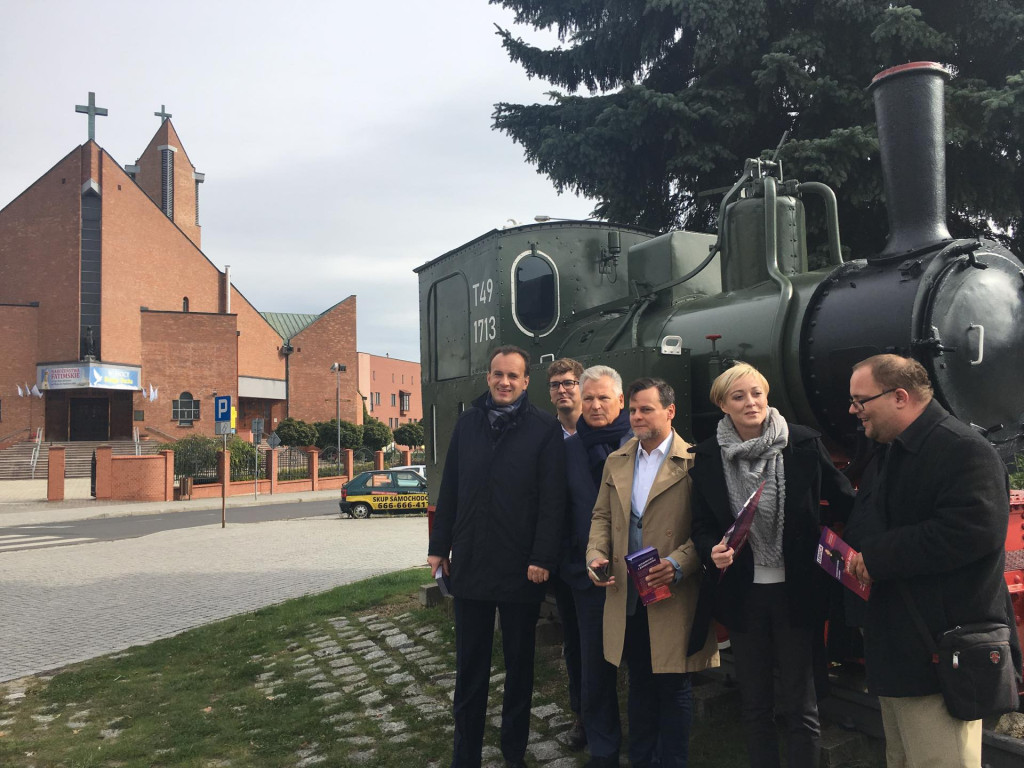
(534, 293)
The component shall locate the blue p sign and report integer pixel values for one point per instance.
(222, 408)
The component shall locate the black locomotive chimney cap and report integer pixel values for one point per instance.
(909, 104)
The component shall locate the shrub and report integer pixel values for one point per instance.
(296, 432)
(327, 435)
(376, 434)
(194, 456)
(410, 434)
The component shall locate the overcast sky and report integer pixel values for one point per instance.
(343, 143)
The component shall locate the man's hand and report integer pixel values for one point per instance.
(661, 574)
(859, 569)
(434, 560)
(596, 564)
(722, 555)
(536, 574)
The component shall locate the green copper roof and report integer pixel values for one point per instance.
(288, 323)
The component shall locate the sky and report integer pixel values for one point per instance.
(344, 144)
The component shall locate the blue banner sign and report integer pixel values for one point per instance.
(88, 376)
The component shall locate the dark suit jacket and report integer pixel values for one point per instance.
(810, 477)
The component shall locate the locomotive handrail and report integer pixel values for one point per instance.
(831, 216)
(771, 246)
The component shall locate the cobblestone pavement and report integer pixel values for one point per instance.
(382, 684)
(68, 604)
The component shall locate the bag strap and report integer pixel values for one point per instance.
(915, 614)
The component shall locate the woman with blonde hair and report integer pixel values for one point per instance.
(769, 594)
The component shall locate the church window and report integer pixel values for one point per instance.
(184, 304)
(185, 409)
(167, 181)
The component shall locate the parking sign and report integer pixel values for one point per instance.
(222, 408)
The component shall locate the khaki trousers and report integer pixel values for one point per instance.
(920, 733)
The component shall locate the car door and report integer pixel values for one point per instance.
(411, 489)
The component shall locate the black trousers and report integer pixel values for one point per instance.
(566, 602)
(599, 700)
(769, 645)
(474, 637)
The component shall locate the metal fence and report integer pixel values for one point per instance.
(292, 464)
(330, 464)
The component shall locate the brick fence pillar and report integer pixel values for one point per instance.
(168, 475)
(104, 475)
(378, 460)
(55, 475)
(406, 457)
(314, 467)
(349, 469)
(272, 460)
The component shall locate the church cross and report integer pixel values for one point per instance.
(92, 110)
(163, 114)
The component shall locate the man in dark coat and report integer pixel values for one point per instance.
(933, 524)
(497, 533)
(603, 428)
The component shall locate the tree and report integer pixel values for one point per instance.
(376, 434)
(327, 435)
(682, 91)
(410, 434)
(296, 432)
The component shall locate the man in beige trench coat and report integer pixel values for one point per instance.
(644, 500)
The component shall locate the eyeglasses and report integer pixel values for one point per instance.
(858, 405)
(554, 386)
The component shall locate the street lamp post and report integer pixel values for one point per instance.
(338, 368)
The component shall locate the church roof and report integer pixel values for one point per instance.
(288, 324)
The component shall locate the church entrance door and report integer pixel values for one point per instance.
(90, 418)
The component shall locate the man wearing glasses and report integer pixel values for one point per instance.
(930, 530)
(564, 389)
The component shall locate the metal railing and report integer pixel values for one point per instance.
(35, 450)
(292, 464)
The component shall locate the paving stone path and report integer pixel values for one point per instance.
(383, 683)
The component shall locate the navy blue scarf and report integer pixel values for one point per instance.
(600, 441)
(500, 416)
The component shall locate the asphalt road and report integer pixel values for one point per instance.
(44, 535)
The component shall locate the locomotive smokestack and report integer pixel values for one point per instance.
(912, 143)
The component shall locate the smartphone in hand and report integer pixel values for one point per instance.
(601, 572)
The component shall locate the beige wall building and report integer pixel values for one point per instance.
(391, 388)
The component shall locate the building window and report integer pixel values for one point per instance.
(185, 409)
(405, 401)
(377, 395)
(184, 304)
(167, 181)
(394, 399)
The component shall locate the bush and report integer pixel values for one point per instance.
(376, 434)
(410, 434)
(194, 456)
(1017, 476)
(327, 435)
(243, 458)
(296, 432)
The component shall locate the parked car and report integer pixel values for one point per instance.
(384, 490)
(421, 469)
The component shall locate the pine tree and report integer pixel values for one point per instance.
(663, 100)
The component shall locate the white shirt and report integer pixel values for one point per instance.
(646, 469)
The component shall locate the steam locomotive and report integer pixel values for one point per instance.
(682, 305)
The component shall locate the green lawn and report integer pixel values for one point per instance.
(360, 675)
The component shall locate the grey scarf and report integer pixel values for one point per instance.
(748, 462)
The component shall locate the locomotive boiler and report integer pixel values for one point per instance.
(684, 305)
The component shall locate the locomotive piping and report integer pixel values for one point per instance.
(831, 216)
(771, 246)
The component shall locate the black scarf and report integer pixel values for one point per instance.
(600, 441)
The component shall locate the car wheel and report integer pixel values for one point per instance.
(360, 511)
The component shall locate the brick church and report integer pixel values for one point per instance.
(112, 317)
